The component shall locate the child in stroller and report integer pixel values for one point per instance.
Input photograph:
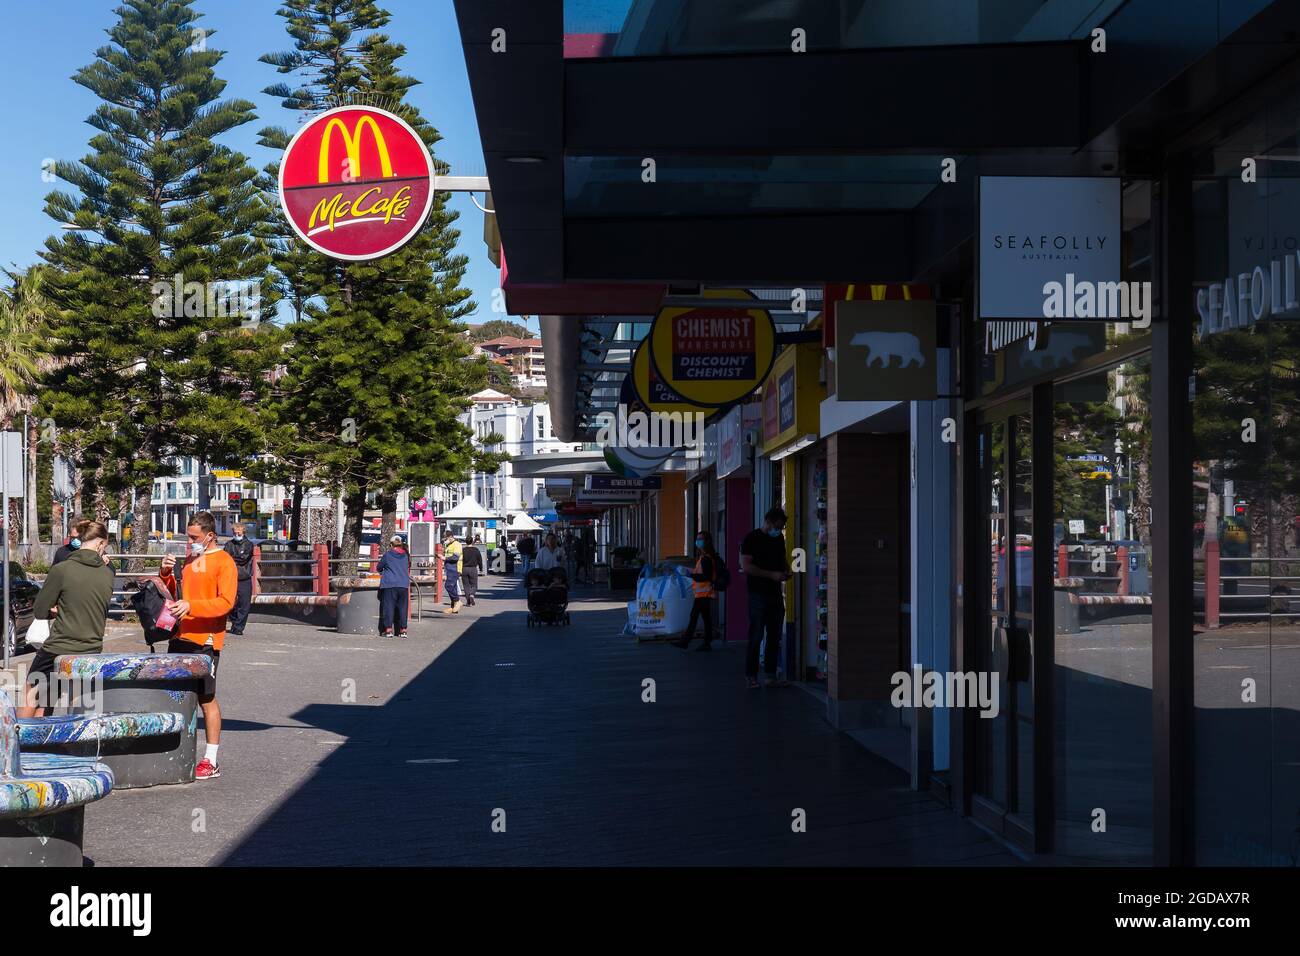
(548, 596)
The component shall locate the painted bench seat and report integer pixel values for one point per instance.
(144, 685)
(134, 667)
(43, 799)
(48, 783)
(76, 728)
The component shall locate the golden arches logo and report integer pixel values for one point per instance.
(352, 145)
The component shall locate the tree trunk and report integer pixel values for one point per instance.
(354, 507)
(388, 521)
(1212, 501)
(140, 514)
(295, 519)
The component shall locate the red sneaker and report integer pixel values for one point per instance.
(206, 770)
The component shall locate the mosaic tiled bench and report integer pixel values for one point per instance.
(43, 799)
(160, 691)
(102, 737)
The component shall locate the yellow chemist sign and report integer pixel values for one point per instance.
(713, 357)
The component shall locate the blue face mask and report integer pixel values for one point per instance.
(699, 542)
(774, 532)
(74, 544)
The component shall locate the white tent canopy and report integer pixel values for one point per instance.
(468, 510)
(521, 521)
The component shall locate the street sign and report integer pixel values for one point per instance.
(12, 464)
(650, 483)
(248, 507)
(1076, 526)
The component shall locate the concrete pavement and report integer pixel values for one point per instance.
(477, 723)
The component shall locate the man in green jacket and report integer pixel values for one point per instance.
(75, 600)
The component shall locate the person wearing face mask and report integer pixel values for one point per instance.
(75, 600)
(66, 551)
(211, 583)
(763, 559)
(241, 550)
(706, 565)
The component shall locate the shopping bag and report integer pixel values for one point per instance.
(37, 633)
(664, 603)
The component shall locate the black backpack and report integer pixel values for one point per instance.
(721, 576)
(149, 602)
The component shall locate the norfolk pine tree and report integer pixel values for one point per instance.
(378, 369)
(159, 197)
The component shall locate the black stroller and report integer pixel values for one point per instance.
(548, 597)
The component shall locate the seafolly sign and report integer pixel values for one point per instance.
(1036, 230)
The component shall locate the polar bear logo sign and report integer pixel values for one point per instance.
(884, 346)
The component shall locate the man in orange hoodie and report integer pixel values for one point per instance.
(211, 586)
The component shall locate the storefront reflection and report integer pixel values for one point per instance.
(1102, 604)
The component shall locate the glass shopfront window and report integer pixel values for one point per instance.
(1246, 494)
(1101, 444)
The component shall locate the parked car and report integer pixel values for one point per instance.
(22, 598)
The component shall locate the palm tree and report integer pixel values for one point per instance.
(24, 310)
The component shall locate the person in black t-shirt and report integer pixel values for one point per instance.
(763, 560)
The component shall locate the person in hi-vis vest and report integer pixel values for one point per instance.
(702, 578)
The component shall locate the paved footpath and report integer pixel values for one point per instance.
(478, 717)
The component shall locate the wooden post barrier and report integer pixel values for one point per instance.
(1212, 573)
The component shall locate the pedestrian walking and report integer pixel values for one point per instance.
(763, 559)
(67, 549)
(472, 564)
(702, 583)
(582, 559)
(550, 556)
(240, 550)
(452, 565)
(394, 588)
(527, 548)
(211, 586)
(74, 599)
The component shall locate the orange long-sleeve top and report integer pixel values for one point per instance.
(211, 584)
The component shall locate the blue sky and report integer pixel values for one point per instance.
(45, 111)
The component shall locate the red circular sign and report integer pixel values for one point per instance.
(356, 183)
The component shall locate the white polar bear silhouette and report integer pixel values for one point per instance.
(885, 345)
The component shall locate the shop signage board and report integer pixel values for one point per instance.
(731, 439)
(608, 496)
(885, 352)
(636, 462)
(644, 388)
(713, 356)
(792, 397)
(356, 183)
(598, 482)
(836, 292)
(1038, 229)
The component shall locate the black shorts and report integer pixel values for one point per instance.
(177, 646)
(42, 664)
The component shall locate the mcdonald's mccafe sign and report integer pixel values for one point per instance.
(356, 183)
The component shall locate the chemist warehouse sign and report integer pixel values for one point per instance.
(713, 356)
